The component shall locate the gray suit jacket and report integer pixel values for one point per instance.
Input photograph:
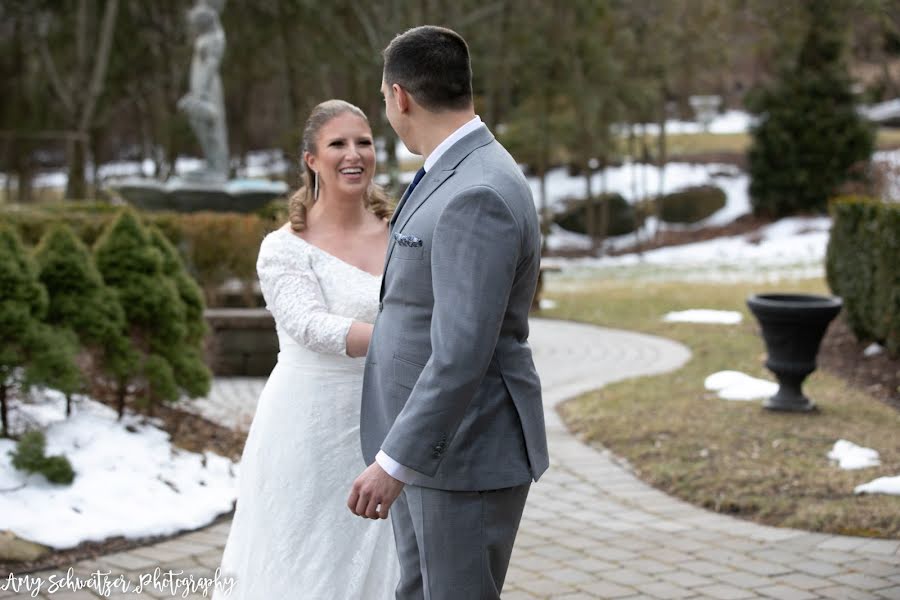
(450, 388)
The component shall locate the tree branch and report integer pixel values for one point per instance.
(100, 64)
(56, 82)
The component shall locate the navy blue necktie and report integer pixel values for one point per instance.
(419, 175)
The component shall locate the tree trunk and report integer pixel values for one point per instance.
(286, 33)
(76, 186)
(68, 405)
(590, 208)
(121, 391)
(662, 159)
(543, 161)
(4, 416)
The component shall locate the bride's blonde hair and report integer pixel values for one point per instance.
(376, 199)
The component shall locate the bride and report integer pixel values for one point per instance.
(292, 535)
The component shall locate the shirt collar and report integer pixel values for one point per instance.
(454, 137)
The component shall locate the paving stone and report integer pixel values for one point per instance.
(891, 593)
(664, 590)
(592, 565)
(627, 577)
(569, 576)
(545, 587)
(129, 561)
(842, 592)
(686, 579)
(874, 567)
(650, 566)
(835, 557)
(880, 547)
(744, 580)
(843, 543)
(605, 589)
(725, 592)
(862, 582)
(762, 567)
(704, 567)
(518, 595)
(784, 592)
(803, 582)
(822, 569)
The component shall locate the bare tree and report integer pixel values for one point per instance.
(78, 87)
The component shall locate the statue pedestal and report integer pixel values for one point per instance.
(185, 195)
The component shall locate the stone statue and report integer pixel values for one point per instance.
(209, 188)
(204, 104)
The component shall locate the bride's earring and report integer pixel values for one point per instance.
(316, 188)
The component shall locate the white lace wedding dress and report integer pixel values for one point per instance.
(293, 536)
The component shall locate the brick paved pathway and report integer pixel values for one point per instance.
(591, 529)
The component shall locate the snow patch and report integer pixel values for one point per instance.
(702, 315)
(734, 385)
(850, 456)
(873, 350)
(129, 479)
(547, 304)
(882, 485)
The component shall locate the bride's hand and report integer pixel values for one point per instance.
(373, 493)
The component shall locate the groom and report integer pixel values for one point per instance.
(452, 423)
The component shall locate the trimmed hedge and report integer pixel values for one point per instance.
(622, 216)
(215, 247)
(692, 204)
(863, 267)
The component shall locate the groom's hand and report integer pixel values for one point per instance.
(373, 492)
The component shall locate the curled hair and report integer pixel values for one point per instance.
(376, 199)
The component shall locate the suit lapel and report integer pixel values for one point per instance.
(442, 170)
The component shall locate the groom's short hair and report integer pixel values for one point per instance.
(432, 64)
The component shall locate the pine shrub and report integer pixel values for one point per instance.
(31, 351)
(30, 456)
(810, 140)
(81, 301)
(214, 247)
(163, 310)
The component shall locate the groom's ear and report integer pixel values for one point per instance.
(401, 97)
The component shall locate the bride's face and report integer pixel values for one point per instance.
(345, 156)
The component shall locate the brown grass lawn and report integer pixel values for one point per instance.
(731, 457)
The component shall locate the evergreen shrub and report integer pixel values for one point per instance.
(215, 247)
(810, 141)
(863, 267)
(149, 280)
(691, 204)
(30, 456)
(622, 216)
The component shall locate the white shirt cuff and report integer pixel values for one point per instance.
(395, 469)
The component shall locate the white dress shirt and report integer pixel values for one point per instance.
(391, 466)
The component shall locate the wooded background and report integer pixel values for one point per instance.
(83, 82)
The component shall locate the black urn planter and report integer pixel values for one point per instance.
(792, 326)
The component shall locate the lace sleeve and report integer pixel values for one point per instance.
(294, 298)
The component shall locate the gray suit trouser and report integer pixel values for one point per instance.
(455, 545)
